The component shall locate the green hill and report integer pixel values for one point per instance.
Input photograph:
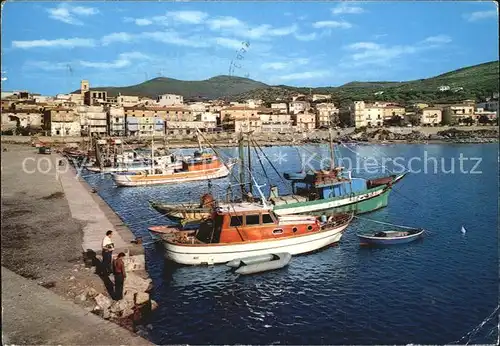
(214, 87)
(474, 82)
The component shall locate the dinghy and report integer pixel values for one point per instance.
(390, 237)
(259, 264)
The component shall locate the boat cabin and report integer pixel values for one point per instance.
(251, 225)
(201, 161)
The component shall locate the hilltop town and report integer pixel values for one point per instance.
(91, 112)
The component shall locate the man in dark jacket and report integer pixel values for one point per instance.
(120, 275)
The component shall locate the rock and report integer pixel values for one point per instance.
(106, 314)
(133, 263)
(154, 305)
(82, 297)
(122, 308)
(141, 298)
(75, 270)
(71, 278)
(135, 283)
(102, 301)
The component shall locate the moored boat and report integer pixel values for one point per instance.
(247, 229)
(390, 237)
(259, 264)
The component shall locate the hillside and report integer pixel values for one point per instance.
(214, 87)
(474, 82)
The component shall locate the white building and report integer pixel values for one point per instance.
(281, 107)
(327, 114)
(127, 101)
(363, 114)
(296, 107)
(93, 119)
(116, 121)
(317, 97)
(169, 100)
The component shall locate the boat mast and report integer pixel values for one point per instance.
(152, 156)
(249, 162)
(242, 163)
(264, 204)
(332, 156)
(199, 141)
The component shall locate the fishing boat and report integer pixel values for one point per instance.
(137, 165)
(246, 229)
(202, 167)
(187, 211)
(331, 190)
(390, 237)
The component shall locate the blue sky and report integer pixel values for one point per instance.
(49, 47)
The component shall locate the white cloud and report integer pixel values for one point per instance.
(228, 42)
(306, 37)
(219, 23)
(124, 60)
(117, 37)
(188, 17)
(480, 15)
(344, 8)
(57, 43)
(370, 53)
(304, 75)
(138, 21)
(70, 14)
(47, 65)
(173, 37)
(439, 39)
(284, 65)
(331, 24)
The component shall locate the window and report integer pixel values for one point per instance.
(266, 218)
(253, 220)
(236, 221)
(278, 231)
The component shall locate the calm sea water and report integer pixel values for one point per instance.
(433, 291)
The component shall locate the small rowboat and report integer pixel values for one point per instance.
(390, 237)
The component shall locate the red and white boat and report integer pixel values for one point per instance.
(203, 166)
(248, 229)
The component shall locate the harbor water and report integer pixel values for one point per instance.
(433, 291)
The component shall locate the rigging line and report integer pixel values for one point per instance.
(262, 151)
(262, 165)
(476, 329)
(384, 223)
(407, 198)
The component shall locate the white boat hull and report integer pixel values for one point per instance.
(126, 180)
(197, 254)
(128, 169)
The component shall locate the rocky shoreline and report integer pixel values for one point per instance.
(42, 241)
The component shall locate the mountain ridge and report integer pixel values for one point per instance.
(472, 81)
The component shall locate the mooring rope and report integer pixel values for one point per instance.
(384, 223)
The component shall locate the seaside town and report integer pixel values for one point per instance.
(94, 113)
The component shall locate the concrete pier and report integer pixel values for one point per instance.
(33, 315)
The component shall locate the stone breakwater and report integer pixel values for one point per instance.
(51, 221)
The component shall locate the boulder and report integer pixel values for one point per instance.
(141, 298)
(133, 263)
(135, 283)
(102, 301)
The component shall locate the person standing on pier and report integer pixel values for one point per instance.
(120, 275)
(107, 253)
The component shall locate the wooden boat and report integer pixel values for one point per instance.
(187, 211)
(138, 165)
(246, 229)
(390, 237)
(259, 264)
(44, 150)
(205, 169)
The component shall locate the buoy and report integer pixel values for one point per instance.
(463, 230)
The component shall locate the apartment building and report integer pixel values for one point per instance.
(275, 122)
(393, 110)
(61, 122)
(326, 114)
(93, 120)
(169, 100)
(454, 114)
(252, 123)
(281, 107)
(145, 121)
(296, 107)
(254, 103)
(491, 105)
(127, 101)
(95, 97)
(430, 116)
(318, 97)
(365, 114)
(481, 112)
(116, 121)
(304, 121)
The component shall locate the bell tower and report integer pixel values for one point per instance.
(84, 87)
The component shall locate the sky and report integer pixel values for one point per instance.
(48, 47)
